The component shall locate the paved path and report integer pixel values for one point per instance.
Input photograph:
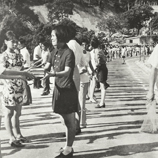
(111, 132)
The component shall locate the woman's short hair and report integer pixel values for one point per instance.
(63, 33)
(94, 42)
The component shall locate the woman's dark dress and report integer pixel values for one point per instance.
(65, 97)
(102, 71)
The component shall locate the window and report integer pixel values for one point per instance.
(130, 41)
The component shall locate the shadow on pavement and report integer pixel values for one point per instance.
(13, 151)
(122, 150)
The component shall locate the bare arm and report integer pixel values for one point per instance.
(7, 72)
(12, 77)
(152, 81)
(66, 72)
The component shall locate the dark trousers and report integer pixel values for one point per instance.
(46, 86)
(37, 81)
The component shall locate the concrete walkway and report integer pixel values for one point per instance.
(111, 132)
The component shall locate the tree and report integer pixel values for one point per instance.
(10, 22)
(153, 24)
(112, 24)
(59, 9)
(137, 15)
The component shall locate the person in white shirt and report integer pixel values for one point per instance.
(77, 49)
(46, 55)
(150, 121)
(26, 57)
(123, 54)
(84, 69)
(37, 54)
(24, 52)
(153, 61)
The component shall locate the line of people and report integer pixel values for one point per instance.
(75, 64)
(114, 52)
(75, 70)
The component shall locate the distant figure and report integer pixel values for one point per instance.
(123, 54)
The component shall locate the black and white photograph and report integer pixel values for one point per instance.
(78, 78)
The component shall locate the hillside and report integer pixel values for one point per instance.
(85, 17)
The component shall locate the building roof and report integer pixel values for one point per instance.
(135, 37)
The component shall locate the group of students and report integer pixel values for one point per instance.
(124, 51)
(75, 65)
(75, 69)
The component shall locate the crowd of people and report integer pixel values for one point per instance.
(125, 50)
(74, 63)
(77, 66)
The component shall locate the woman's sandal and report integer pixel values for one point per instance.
(100, 106)
(23, 140)
(92, 101)
(16, 143)
(61, 155)
(61, 150)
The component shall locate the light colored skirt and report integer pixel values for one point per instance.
(150, 123)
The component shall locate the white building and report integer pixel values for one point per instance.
(133, 40)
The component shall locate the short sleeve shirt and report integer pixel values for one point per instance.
(37, 51)
(45, 56)
(77, 49)
(60, 59)
(86, 58)
(153, 59)
(26, 56)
